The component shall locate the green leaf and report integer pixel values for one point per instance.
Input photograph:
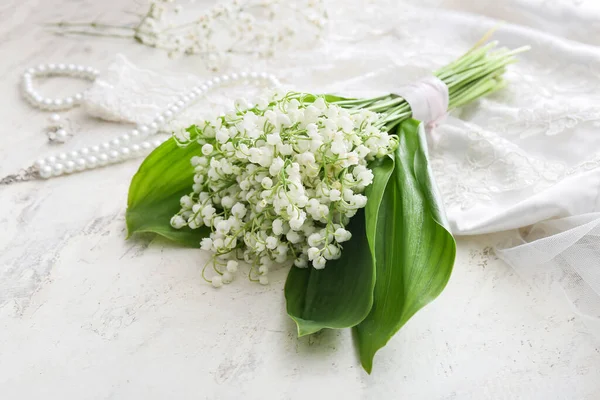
(338, 296)
(341, 294)
(163, 178)
(382, 170)
(414, 248)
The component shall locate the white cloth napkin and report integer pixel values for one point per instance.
(528, 156)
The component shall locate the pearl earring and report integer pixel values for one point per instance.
(57, 132)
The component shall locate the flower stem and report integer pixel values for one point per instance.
(95, 25)
(477, 73)
(90, 33)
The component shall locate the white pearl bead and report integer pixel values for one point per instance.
(61, 134)
(209, 83)
(243, 74)
(71, 67)
(235, 77)
(216, 80)
(51, 160)
(62, 156)
(264, 75)
(78, 97)
(125, 152)
(144, 130)
(41, 68)
(95, 149)
(80, 164)
(85, 151)
(179, 103)
(145, 145)
(125, 137)
(69, 166)
(134, 134)
(135, 148)
(105, 146)
(69, 101)
(74, 154)
(30, 71)
(39, 164)
(192, 96)
(159, 119)
(51, 67)
(253, 75)
(225, 78)
(92, 161)
(185, 99)
(174, 109)
(156, 143)
(54, 117)
(168, 114)
(102, 159)
(47, 102)
(61, 67)
(115, 143)
(80, 68)
(113, 155)
(153, 127)
(45, 171)
(203, 88)
(57, 169)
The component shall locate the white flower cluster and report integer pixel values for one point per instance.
(243, 26)
(280, 180)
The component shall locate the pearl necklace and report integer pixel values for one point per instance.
(127, 146)
(72, 70)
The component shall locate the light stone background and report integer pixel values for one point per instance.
(85, 314)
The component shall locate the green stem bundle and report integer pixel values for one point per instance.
(477, 73)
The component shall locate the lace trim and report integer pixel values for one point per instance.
(492, 165)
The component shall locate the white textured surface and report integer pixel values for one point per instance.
(85, 314)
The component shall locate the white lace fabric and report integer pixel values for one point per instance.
(526, 156)
(128, 93)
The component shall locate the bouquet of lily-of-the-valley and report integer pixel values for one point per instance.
(339, 189)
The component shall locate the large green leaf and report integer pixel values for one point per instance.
(338, 296)
(163, 178)
(414, 248)
(341, 294)
(382, 170)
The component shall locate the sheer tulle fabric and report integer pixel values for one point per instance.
(565, 253)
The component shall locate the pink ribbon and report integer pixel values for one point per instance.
(428, 99)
